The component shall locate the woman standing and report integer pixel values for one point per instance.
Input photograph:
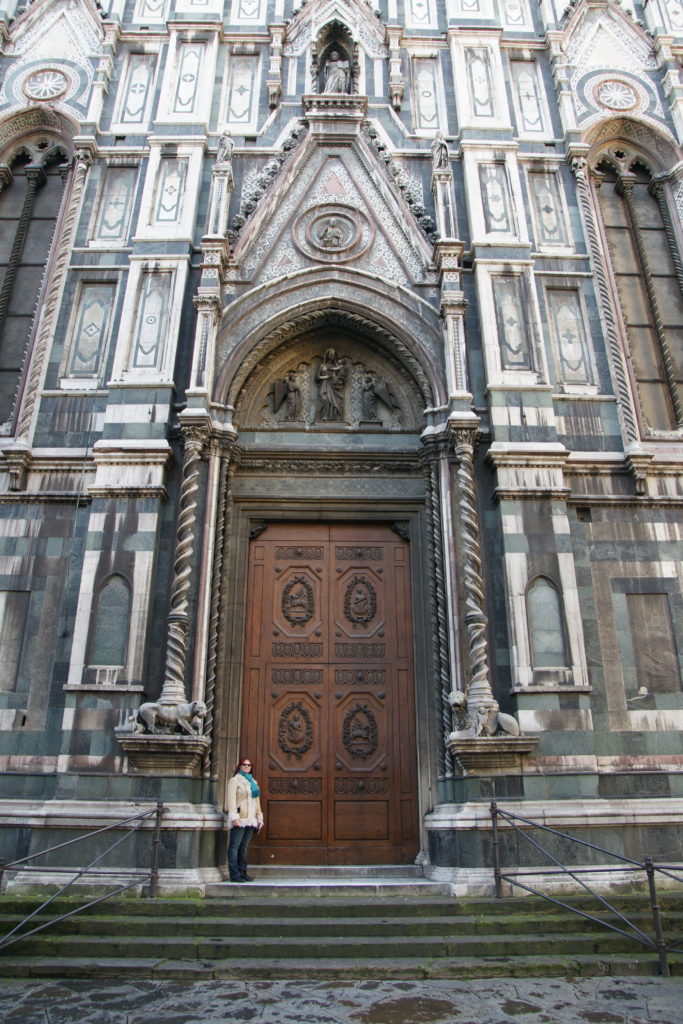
(244, 818)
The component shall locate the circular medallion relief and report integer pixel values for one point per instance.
(47, 84)
(333, 233)
(616, 95)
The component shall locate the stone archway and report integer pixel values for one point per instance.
(305, 466)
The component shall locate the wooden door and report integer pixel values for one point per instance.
(328, 704)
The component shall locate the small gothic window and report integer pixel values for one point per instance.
(110, 629)
(546, 625)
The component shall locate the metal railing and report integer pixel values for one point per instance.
(151, 876)
(648, 867)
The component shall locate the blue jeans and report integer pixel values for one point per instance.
(238, 843)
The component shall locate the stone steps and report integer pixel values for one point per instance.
(292, 924)
(292, 934)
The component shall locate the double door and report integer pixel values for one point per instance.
(328, 698)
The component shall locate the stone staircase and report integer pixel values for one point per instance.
(323, 924)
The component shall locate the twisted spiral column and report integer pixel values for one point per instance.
(626, 185)
(173, 690)
(479, 687)
(223, 533)
(607, 301)
(657, 189)
(430, 456)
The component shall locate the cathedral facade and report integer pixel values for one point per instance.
(341, 424)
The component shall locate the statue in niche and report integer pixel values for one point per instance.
(225, 147)
(373, 389)
(331, 234)
(336, 74)
(286, 393)
(439, 152)
(331, 377)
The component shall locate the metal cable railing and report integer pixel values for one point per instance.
(151, 876)
(648, 866)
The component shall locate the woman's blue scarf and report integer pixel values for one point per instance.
(252, 782)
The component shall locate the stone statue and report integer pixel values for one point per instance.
(225, 147)
(154, 717)
(336, 74)
(331, 377)
(485, 720)
(287, 393)
(374, 389)
(439, 152)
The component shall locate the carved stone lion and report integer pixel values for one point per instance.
(171, 717)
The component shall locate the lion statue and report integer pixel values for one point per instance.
(170, 717)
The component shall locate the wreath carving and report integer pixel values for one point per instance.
(360, 601)
(298, 602)
(360, 732)
(295, 732)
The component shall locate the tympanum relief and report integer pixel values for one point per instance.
(336, 388)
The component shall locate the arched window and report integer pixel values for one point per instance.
(547, 637)
(30, 199)
(109, 637)
(642, 248)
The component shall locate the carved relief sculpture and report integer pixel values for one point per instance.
(360, 601)
(375, 389)
(298, 603)
(360, 732)
(287, 394)
(295, 731)
(330, 234)
(331, 377)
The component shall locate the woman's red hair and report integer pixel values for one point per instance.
(239, 764)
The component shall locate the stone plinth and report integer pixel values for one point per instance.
(491, 755)
(163, 755)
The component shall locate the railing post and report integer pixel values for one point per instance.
(495, 843)
(657, 919)
(2, 873)
(156, 843)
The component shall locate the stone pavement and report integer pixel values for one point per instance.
(605, 1000)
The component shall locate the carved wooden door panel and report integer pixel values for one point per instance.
(328, 705)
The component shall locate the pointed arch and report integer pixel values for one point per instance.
(403, 326)
(631, 177)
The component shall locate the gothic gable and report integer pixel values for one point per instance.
(334, 205)
(358, 17)
(53, 48)
(608, 60)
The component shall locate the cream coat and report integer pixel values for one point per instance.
(242, 805)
